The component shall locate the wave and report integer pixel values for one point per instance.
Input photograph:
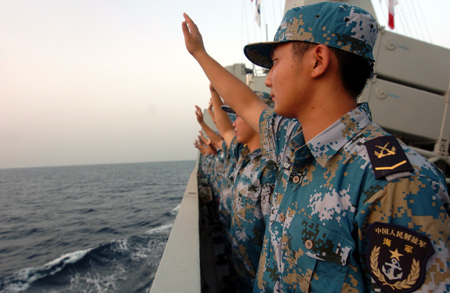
(161, 229)
(105, 268)
(175, 210)
(87, 220)
(22, 279)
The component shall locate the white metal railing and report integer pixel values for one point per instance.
(179, 269)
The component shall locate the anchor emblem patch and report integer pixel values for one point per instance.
(397, 257)
(394, 265)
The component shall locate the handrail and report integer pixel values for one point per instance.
(179, 269)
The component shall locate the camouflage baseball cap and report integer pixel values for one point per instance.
(265, 97)
(338, 25)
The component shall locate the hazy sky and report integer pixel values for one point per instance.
(108, 81)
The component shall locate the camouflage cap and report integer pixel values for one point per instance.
(227, 109)
(265, 97)
(338, 25)
(230, 112)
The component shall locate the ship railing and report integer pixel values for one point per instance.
(179, 268)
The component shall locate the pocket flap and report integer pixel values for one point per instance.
(319, 242)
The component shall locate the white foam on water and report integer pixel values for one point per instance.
(141, 253)
(123, 244)
(153, 249)
(175, 210)
(22, 280)
(160, 229)
(95, 282)
(68, 258)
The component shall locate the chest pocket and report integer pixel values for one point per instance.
(314, 257)
(247, 202)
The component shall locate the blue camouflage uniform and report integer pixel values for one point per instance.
(217, 176)
(353, 209)
(226, 197)
(254, 179)
(206, 166)
(202, 166)
(337, 225)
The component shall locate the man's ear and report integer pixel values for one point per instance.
(321, 58)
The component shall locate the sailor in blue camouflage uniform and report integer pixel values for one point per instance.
(253, 180)
(216, 175)
(219, 175)
(207, 166)
(227, 184)
(225, 195)
(353, 209)
(326, 199)
(202, 164)
(223, 122)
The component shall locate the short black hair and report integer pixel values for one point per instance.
(353, 69)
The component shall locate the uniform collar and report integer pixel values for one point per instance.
(251, 155)
(327, 143)
(255, 153)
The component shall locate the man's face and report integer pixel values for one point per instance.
(286, 81)
(243, 132)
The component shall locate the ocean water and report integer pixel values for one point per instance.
(87, 228)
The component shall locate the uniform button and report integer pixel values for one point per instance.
(308, 244)
(296, 179)
(282, 218)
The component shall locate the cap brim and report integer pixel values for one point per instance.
(260, 53)
(227, 109)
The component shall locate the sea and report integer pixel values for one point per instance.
(99, 228)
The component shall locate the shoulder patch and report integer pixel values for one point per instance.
(397, 257)
(387, 156)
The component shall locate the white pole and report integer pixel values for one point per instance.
(438, 148)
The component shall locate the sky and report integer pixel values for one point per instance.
(87, 82)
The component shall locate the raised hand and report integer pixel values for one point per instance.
(211, 111)
(192, 37)
(199, 114)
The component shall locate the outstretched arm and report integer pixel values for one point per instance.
(200, 148)
(234, 92)
(211, 112)
(207, 142)
(223, 122)
(215, 138)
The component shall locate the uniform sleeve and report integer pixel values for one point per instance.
(225, 148)
(406, 214)
(277, 133)
(267, 186)
(235, 149)
(268, 135)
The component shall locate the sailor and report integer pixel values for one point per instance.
(354, 209)
(215, 142)
(252, 180)
(223, 123)
(214, 138)
(205, 159)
